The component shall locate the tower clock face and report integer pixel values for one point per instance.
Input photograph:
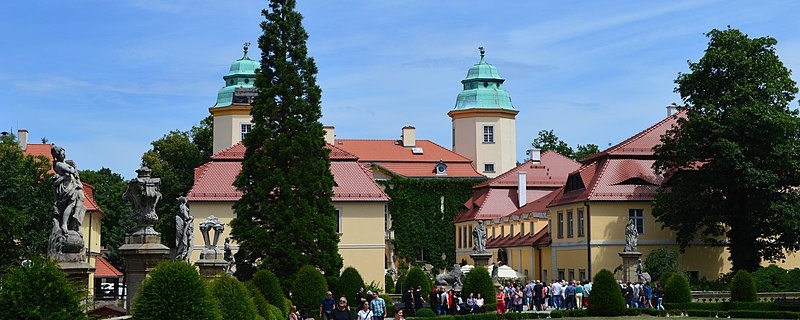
(440, 168)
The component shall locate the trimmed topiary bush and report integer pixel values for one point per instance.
(269, 286)
(477, 281)
(349, 283)
(676, 290)
(277, 313)
(743, 288)
(309, 288)
(40, 291)
(425, 313)
(174, 290)
(388, 283)
(418, 278)
(233, 297)
(258, 300)
(400, 286)
(606, 298)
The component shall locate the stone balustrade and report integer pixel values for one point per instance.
(725, 296)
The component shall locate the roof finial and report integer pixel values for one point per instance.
(482, 52)
(246, 47)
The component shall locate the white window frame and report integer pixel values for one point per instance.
(488, 135)
(494, 168)
(581, 220)
(339, 226)
(638, 219)
(242, 125)
(570, 224)
(560, 226)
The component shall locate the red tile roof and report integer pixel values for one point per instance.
(551, 171)
(104, 269)
(540, 238)
(538, 207)
(390, 155)
(642, 143)
(214, 180)
(43, 149)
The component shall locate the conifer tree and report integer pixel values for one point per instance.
(285, 218)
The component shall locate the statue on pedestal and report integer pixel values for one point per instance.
(228, 256)
(631, 237)
(184, 231)
(144, 193)
(479, 237)
(68, 210)
(211, 222)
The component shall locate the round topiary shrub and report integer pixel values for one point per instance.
(40, 291)
(676, 290)
(267, 283)
(425, 313)
(417, 278)
(743, 287)
(309, 288)
(233, 297)
(477, 281)
(277, 313)
(606, 298)
(349, 283)
(258, 300)
(174, 290)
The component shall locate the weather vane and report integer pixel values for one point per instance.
(482, 51)
(246, 47)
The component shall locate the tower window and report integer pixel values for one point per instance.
(246, 128)
(488, 134)
(488, 167)
(638, 219)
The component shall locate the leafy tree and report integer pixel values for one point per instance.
(743, 288)
(285, 218)
(262, 306)
(418, 278)
(269, 286)
(40, 291)
(309, 288)
(118, 221)
(738, 149)
(583, 151)
(388, 283)
(477, 281)
(174, 290)
(676, 290)
(349, 283)
(233, 298)
(771, 279)
(661, 261)
(173, 158)
(547, 140)
(606, 297)
(26, 199)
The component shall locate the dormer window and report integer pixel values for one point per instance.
(441, 168)
(574, 182)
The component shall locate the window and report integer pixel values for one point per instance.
(694, 275)
(560, 226)
(488, 167)
(532, 230)
(570, 228)
(246, 128)
(522, 229)
(493, 235)
(638, 218)
(458, 238)
(512, 231)
(386, 218)
(488, 134)
(470, 237)
(581, 274)
(339, 221)
(571, 274)
(502, 231)
(561, 274)
(544, 275)
(580, 222)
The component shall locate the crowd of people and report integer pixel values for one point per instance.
(642, 295)
(540, 296)
(370, 307)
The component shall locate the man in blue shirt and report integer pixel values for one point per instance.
(378, 307)
(326, 306)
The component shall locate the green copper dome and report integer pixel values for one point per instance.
(241, 75)
(483, 89)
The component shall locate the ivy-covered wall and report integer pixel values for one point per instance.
(418, 221)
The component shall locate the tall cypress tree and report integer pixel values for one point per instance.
(285, 218)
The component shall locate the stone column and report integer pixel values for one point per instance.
(212, 262)
(629, 262)
(481, 259)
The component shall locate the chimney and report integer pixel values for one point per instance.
(522, 188)
(329, 136)
(536, 155)
(22, 139)
(409, 137)
(672, 109)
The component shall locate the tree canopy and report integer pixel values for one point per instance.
(547, 140)
(118, 220)
(26, 199)
(285, 219)
(733, 161)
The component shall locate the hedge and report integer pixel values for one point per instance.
(309, 289)
(40, 291)
(174, 290)
(743, 287)
(269, 286)
(349, 283)
(764, 314)
(721, 306)
(477, 281)
(234, 298)
(418, 278)
(677, 290)
(606, 297)
(262, 306)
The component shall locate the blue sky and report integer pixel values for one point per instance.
(105, 78)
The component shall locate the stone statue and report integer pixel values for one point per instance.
(631, 237)
(639, 270)
(211, 222)
(495, 270)
(144, 193)
(184, 231)
(455, 278)
(502, 256)
(479, 237)
(229, 256)
(68, 210)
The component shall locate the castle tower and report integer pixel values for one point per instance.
(231, 113)
(484, 121)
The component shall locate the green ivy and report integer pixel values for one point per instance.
(417, 219)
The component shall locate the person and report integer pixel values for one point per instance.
(378, 306)
(418, 299)
(529, 295)
(408, 302)
(628, 295)
(569, 296)
(557, 294)
(480, 304)
(433, 297)
(518, 300)
(659, 298)
(587, 290)
(578, 295)
(360, 297)
(399, 315)
(536, 290)
(471, 303)
(326, 306)
(342, 312)
(501, 302)
(453, 302)
(365, 313)
(544, 299)
(293, 313)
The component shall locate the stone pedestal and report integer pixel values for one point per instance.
(78, 272)
(211, 264)
(141, 253)
(481, 259)
(629, 262)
